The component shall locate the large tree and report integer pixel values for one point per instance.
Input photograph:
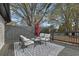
(68, 12)
(31, 11)
(37, 11)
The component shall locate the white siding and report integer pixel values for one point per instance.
(1, 32)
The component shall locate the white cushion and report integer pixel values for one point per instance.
(37, 39)
(42, 34)
(42, 38)
(45, 39)
(24, 38)
(28, 43)
(47, 35)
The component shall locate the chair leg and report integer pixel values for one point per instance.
(23, 49)
(45, 42)
(34, 44)
(19, 43)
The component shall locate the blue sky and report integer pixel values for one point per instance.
(16, 18)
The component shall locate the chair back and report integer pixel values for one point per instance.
(42, 35)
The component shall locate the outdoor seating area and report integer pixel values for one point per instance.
(39, 46)
(39, 29)
(25, 42)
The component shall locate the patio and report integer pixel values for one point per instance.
(8, 49)
(55, 47)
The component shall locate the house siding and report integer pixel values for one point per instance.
(2, 29)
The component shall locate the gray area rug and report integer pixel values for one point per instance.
(50, 49)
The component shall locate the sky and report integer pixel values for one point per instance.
(39, 5)
(16, 18)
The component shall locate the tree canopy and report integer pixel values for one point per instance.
(37, 11)
(31, 11)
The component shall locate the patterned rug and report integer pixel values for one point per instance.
(50, 49)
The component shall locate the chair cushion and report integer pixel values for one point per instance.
(47, 35)
(45, 39)
(42, 38)
(23, 38)
(37, 39)
(28, 42)
(42, 34)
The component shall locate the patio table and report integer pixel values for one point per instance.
(37, 41)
